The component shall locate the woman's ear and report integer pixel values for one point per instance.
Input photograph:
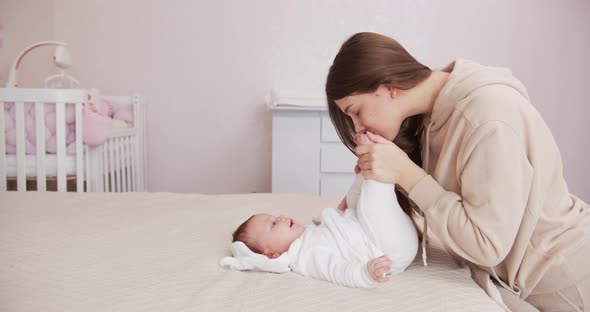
(392, 91)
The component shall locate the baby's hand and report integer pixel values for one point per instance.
(378, 267)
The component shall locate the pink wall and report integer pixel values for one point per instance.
(204, 67)
(22, 26)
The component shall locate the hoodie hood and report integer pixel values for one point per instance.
(465, 77)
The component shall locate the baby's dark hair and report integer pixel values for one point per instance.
(241, 234)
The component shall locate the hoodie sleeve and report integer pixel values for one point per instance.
(330, 267)
(481, 223)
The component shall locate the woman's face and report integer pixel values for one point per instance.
(378, 112)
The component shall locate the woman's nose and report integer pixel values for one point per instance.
(358, 127)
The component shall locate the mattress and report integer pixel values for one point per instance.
(31, 165)
(161, 252)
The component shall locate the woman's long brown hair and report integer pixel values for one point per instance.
(365, 62)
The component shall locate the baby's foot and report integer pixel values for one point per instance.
(362, 139)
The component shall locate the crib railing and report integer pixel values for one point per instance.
(61, 97)
(115, 166)
(119, 164)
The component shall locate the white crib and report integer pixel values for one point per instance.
(115, 166)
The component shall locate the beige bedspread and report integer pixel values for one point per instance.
(160, 252)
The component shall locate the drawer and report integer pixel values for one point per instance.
(328, 131)
(335, 157)
(296, 152)
(335, 184)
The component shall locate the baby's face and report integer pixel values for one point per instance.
(273, 235)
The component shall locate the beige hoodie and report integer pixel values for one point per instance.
(495, 194)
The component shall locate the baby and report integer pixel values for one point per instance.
(359, 247)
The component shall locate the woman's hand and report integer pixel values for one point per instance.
(378, 267)
(387, 163)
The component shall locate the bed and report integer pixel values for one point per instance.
(161, 252)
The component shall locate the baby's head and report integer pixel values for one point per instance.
(268, 235)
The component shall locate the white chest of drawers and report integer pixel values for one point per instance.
(307, 155)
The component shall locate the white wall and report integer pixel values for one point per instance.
(205, 66)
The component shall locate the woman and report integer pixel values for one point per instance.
(470, 153)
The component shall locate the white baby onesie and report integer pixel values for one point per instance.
(339, 248)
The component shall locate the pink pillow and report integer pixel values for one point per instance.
(96, 128)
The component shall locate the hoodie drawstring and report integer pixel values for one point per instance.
(425, 165)
(424, 241)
